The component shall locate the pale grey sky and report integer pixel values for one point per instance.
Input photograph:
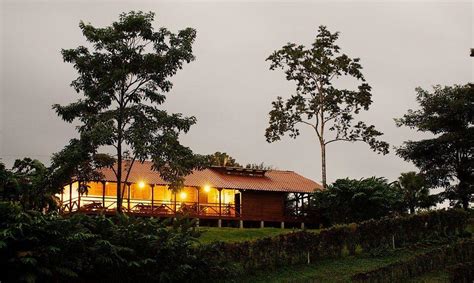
(229, 88)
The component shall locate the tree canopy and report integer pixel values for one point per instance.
(415, 190)
(222, 159)
(350, 200)
(123, 78)
(318, 102)
(29, 182)
(446, 159)
(225, 160)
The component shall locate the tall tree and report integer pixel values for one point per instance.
(446, 159)
(328, 110)
(415, 191)
(123, 80)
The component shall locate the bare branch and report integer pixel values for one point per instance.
(342, 139)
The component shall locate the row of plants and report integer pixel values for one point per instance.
(50, 247)
(458, 253)
(371, 237)
(462, 272)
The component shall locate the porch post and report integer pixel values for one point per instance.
(78, 195)
(103, 194)
(262, 224)
(241, 224)
(297, 201)
(128, 197)
(283, 225)
(303, 204)
(152, 197)
(197, 208)
(70, 197)
(220, 202)
(175, 206)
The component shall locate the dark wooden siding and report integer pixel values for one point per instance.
(260, 205)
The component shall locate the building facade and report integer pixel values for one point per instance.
(218, 193)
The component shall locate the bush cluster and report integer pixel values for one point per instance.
(462, 251)
(48, 247)
(370, 236)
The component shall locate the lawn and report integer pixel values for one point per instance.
(212, 234)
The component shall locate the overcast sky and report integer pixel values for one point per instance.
(229, 88)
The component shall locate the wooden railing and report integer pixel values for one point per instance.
(147, 207)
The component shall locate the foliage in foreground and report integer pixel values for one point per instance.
(38, 247)
(48, 247)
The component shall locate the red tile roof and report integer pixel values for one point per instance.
(273, 180)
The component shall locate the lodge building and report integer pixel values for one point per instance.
(229, 194)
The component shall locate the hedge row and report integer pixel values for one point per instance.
(462, 251)
(370, 236)
(462, 272)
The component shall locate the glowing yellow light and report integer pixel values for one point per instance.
(183, 195)
(207, 188)
(106, 183)
(141, 184)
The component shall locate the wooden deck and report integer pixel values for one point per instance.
(164, 209)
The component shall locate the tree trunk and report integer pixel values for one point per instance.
(465, 196)
(119, 178)
(323, 164)
(465, 203)
(463, 186)
(119, 164)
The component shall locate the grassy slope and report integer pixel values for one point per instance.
(211, 234)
